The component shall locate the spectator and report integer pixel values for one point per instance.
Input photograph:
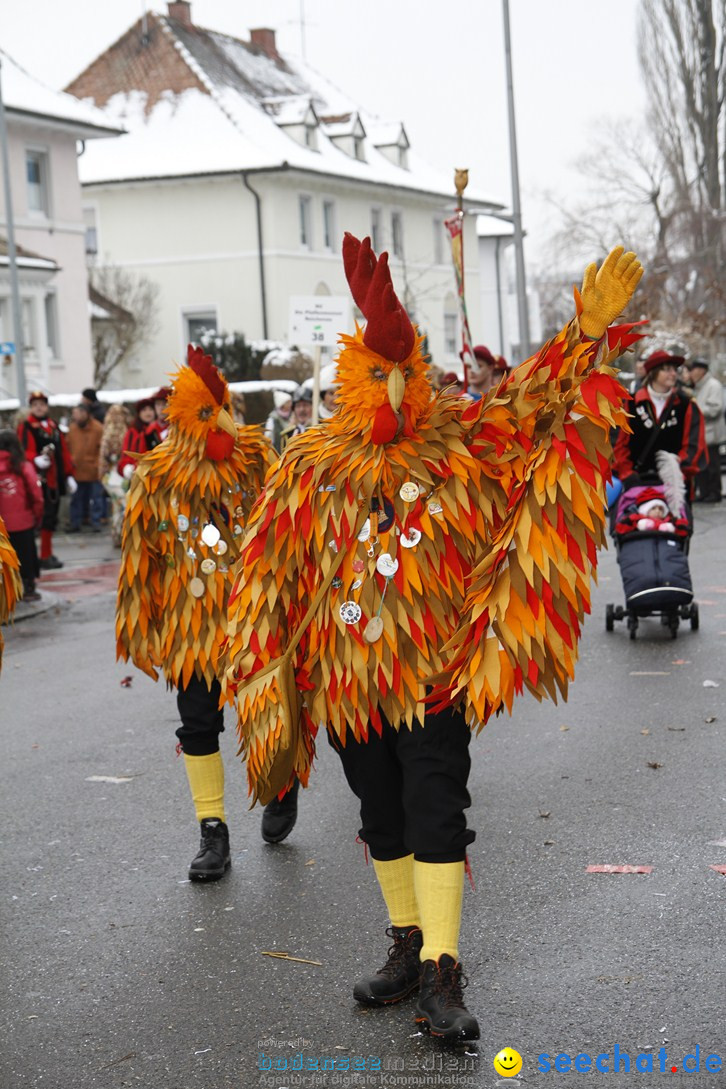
(302, 414)
(96, 409)
(708, 394)
(662, 418)
(161, 401)
(485, 374)
(21, 508)
(238, 406)
(143, 435)
(637, 381)
(46, 447)
(328, 390)
(84, 443)
(279, 418)
(451, 382)
(114, 428)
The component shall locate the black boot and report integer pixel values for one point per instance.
(50, 563)
(278, 819)
(440, 1007)
(399, 975)
(212, 859)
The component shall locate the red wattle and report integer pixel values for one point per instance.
(385, 425)
(220, 445)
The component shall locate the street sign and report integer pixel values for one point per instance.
(7, 347)
(317, 320)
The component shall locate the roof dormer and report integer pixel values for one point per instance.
(389, 137)
(296, 116)
(347, 133)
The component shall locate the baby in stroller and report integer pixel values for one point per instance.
(652, 530)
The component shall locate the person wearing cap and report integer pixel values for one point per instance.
(709, 396)
(279, 418)
(90, 399)
(142, 436)
(45, 445)
(661, 418)
(302, 414)
(328, 389)
(486, 373)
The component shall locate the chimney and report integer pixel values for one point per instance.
(181, 11)
(265, 39)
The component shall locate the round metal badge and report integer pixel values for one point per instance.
(221, 548)
(208, 566)
(386, 565)
(350, 612)
(410, 538)
(373, 629)
(408, 492)
(182, 523)
(196, 587)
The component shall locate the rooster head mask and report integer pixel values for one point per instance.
(198, 408)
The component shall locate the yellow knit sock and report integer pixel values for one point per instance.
(439, 888)
(396, 880)
(206, 782)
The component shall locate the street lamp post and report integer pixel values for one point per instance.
(522, 309)
(12, 257)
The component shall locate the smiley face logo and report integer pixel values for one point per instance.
(508, 1062)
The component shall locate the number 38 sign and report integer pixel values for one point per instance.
(317, 320)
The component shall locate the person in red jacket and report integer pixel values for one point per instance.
(142, 436)
(45, 446)
(21, 508)
(661, 418)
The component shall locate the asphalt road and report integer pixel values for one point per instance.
(118, 972)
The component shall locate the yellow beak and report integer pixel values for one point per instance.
(226, 423)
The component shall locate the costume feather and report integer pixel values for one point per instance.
(674, 486)
(11, 587)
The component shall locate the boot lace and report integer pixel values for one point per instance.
(452, 982)
(398, 953)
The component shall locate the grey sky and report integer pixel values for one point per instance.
(437, 66)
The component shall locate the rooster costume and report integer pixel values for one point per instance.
(469, 533)
(11, 587)
(188, 501)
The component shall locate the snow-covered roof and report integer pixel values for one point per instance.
(219, 123)
(493, 227)
(388, 134)
(25, 95)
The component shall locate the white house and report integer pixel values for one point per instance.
(239, 174)
(44, 128)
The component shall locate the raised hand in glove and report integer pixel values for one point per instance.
(71, 485)
(606, 291)
(42, 462)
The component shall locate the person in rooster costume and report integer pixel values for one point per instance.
(11, 586)
(464, 536)
(188, 502)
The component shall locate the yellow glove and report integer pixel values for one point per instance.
(606, 291)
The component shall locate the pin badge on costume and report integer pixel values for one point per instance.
(208, 566)
(182, 523)
(408, 492)
(210, 535)
(386, 565)
(365, 530)
(358, 566)
(350, 612)
(196, 587)
(435, 508)
(221, 548)
(410, 538)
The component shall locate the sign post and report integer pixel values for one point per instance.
(316, 321)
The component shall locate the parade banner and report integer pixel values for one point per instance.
(455, 227)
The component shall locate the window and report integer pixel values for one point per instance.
(311, 137)
(358, 148)
(376, 234)
(198, 322)
(304, 204)
(51, 324)
(28, 318)
(451, 327)
(403, 157)
(36, 173)
(89, 221)
(438, 241)
(329, 240)
(397, 234)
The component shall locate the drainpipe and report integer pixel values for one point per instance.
(263, 293)
(499, 297)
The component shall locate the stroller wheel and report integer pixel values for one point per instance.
(694, 617)
(609, 617)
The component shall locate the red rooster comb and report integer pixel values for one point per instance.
(389, 331)
(202, 365)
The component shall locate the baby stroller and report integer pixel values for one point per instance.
(653, 556)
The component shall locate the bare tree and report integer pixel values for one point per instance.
(127, 317)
